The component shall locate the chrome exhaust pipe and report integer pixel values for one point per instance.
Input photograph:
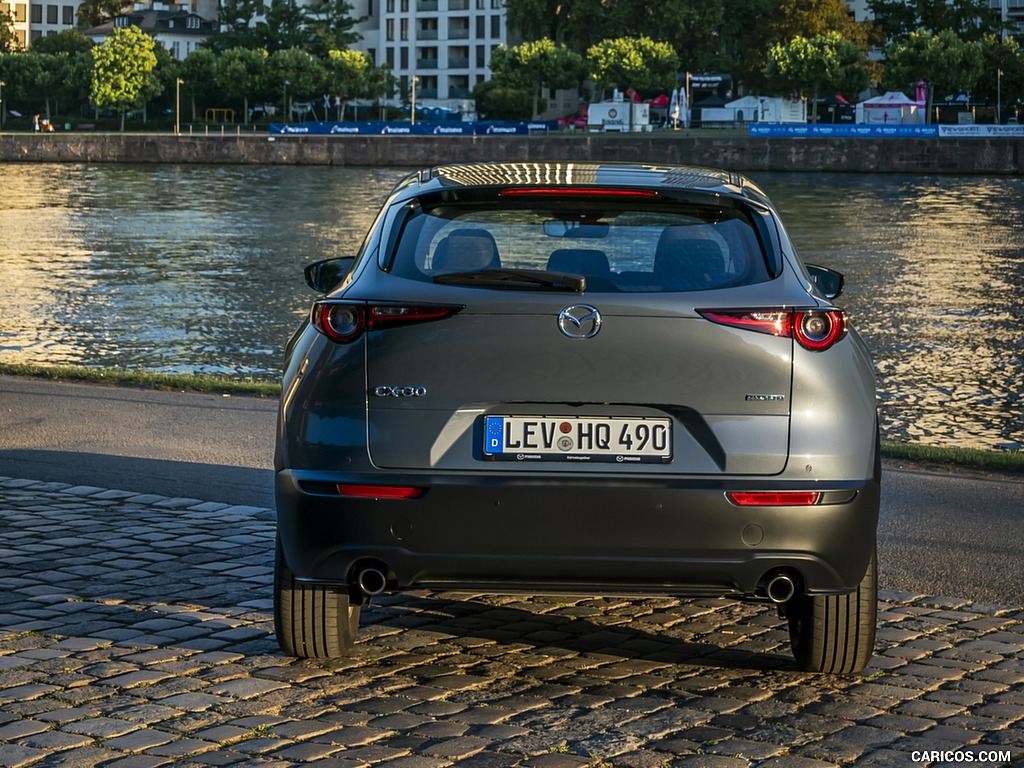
(371, 582)
(781, 588)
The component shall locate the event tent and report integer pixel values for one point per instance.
(892, 108)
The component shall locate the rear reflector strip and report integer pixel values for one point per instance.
(380, 491)
(775, 499)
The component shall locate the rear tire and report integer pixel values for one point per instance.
(312, 621)
(835, 633)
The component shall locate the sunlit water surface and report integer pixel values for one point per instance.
(199, 269)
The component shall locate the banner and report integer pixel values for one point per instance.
(396, 128)
(981, 131)
(826, 131)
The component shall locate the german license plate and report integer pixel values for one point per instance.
(579, 439)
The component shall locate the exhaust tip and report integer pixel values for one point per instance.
(781, 588)
(371, 581)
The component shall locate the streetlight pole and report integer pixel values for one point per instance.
(414, 79)
(999, 95)
(3, 109)
(284, 101)
(177, 106)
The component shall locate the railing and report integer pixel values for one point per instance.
(426, 63)
(458, 63)
(459, 33)
(426, 5)
(458, 5)
(458, 93)
(426, 34)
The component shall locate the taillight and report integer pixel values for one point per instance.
(774, 499)
(814, 329)
(818, 330)
(344, 322)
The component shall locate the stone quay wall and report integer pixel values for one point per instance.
(740, 153)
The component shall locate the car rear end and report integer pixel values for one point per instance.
(616, 383)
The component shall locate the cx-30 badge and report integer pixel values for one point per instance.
(580, 321)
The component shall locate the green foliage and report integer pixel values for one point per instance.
(122, 66)
(498, 102)
(92, 13)
(68, 41)
(946, 63)
(822, 65)
(199, 76)
(8, 38)
(330, 27)
(241, 73)
(303, 75)
(999, 56)
(532, 65)
(351, 75)
(967, 19)
(628, 62)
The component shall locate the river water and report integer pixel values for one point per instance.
(198, 269)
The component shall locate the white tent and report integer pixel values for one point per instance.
(892, 108)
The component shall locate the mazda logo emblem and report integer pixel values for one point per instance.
(580, 321)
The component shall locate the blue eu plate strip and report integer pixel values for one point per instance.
(494, 431)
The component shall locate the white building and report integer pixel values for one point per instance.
(176, 27)
(445, 44)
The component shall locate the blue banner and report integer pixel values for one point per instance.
(859, 129)
(396, 128)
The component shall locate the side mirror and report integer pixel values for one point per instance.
(324, 276)
(828, 282)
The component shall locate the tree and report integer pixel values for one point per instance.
(784, 20)
(499, 102)
(199, 76)
(237, 27)
(629, 62)
(826, 63)
(967, 19)
(946, 63)
(241, 73)
(121, 68)
(1005, 57)
(296, 72)
(8, 38)
(331, 27)
(92, 13)
(348, 75)
(534, 65)
(68, 41)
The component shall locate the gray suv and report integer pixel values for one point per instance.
(578, 378)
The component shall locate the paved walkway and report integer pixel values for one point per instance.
(136, 631)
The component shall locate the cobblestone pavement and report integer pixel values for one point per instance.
(136, 631)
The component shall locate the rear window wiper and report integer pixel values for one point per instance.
(516, 278)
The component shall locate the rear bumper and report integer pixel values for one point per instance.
(603, 535)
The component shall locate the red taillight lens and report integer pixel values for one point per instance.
(774, 499)
(341, 323)
(814, 329)
(380, 491)
(819, 330)
(344, 322)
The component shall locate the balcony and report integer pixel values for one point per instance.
(426, 5)
(458, 5)
(426, 93)
(462, 63)
(458, 93)
(426, 34)
(458, 33)
(426, 63)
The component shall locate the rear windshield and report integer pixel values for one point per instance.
(617, 248)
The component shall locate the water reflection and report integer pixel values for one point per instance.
(198, 269)
(934, 275)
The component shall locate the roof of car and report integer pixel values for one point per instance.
(557, 174)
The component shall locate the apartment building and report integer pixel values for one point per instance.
(34, 20)
(444, 44)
